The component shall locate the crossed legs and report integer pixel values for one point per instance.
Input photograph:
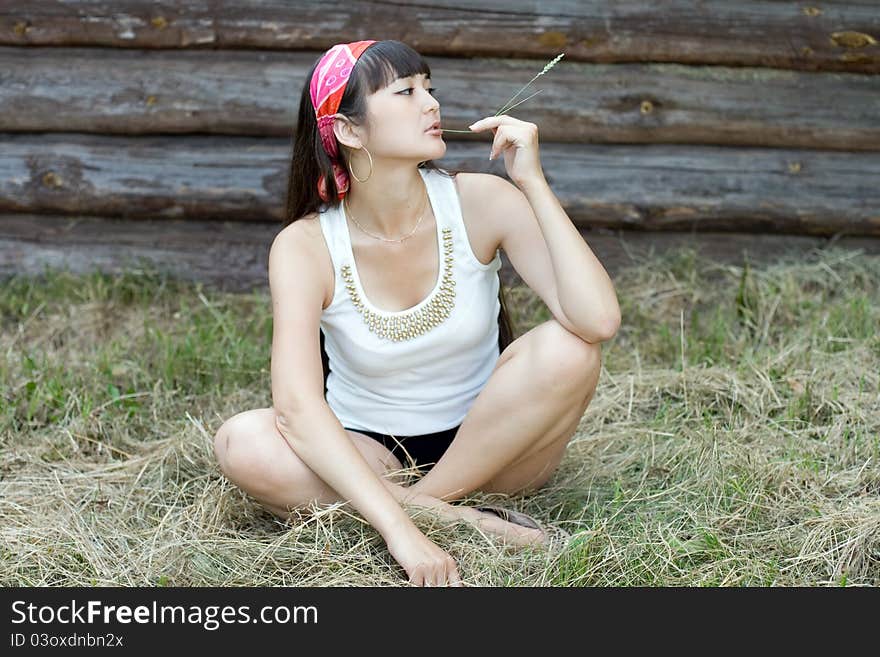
(517, 429)
(511, 440)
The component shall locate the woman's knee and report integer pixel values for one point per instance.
(254, 455)
(562, 357)
(248, 449)
(244, 422)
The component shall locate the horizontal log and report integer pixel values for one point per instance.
(257, 93)
(831, 35)
(646, 187)
(233, 256)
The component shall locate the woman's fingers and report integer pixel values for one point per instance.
(496, 124)
(491, 122)
(440, 576)
(498, 143)
(425, 575)
(452, 573)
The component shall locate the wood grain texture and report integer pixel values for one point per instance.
(828, 35)
(233, 256)
(642, 187)
(257, 93)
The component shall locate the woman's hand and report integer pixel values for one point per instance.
(518, 141)
(424, 562)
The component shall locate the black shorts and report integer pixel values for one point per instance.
(423, 451)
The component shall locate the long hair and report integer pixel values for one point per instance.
(378, 66)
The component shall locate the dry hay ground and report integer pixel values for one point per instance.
(733, 439)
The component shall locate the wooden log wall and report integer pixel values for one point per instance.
(753, 116)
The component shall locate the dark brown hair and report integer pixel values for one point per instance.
(378, 66)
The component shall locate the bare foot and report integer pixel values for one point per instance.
(509, 531)
(488, 522)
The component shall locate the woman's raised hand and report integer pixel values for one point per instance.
(518, 142)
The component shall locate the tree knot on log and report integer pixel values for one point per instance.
(852, 39)
(52, 179)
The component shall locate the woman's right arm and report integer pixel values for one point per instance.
(308, 424)
(319, 439)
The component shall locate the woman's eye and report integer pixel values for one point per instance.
(432, 90)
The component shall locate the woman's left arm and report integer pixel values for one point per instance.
(585, 292)
(574, 263)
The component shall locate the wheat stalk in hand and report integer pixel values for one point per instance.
(505, 108)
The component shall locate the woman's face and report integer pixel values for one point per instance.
(399, 116)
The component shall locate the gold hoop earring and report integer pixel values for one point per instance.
(371, 167)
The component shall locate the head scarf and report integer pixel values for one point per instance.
(327, 87)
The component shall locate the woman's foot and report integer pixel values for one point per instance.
(489, 520)
(549, 536)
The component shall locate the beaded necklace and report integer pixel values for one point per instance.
(410, 325)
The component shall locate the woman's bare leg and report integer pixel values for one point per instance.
(255, 457)
(515, 433)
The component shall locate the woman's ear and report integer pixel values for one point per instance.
(345, 133)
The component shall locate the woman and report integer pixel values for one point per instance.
(396, 262)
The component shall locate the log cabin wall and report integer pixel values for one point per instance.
(166, 127)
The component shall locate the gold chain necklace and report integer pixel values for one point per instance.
(416, 323)
(379, 237)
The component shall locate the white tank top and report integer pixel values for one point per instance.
(447, 345)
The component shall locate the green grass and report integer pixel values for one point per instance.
(734, 438)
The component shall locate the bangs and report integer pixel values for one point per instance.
(386, 61)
